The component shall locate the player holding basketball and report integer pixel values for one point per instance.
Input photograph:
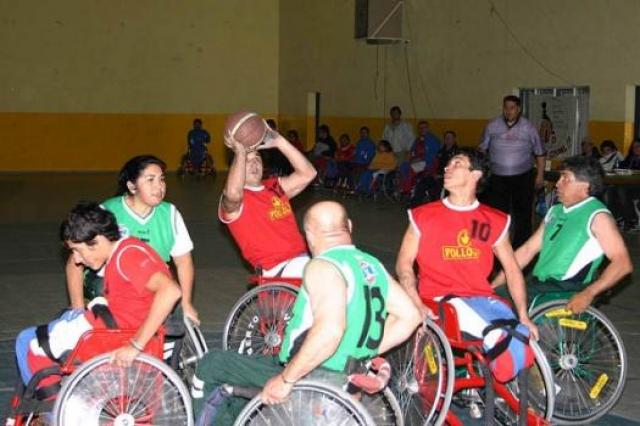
(258, 212)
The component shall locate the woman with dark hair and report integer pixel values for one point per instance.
(141, 212)
(611, 157)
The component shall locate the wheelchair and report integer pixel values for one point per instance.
(320, 400)
(256, 326)
(586, 354)
(440, 369)
(257, 321)
(94, 391)
(190, 165)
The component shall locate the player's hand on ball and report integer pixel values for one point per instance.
(233, 144)
(270, 138)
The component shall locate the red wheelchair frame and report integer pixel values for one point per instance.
(92, 343)
(466, 354)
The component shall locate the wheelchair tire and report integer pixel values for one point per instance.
(188, 351)
(310, 403)
(383, 408)
(99, 392)
(588, 357)
(427, 383)
(256, 323)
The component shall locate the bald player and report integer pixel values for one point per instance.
(329, 332)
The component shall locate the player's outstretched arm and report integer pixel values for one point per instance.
(303, 171)
(233, 191)
(524, 254)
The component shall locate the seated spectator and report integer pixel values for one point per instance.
(429, 187)
(365, 149)
(588, 150)
(344, 160)
(197, 141)
(294, 138)
(626, 197)
(384, 162)
(422, 158)
(632, 160)
(611, 157)
(447, 151)
(323, 151)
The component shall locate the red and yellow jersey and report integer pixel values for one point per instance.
(455, 251)
(266, 230)
(126, 274)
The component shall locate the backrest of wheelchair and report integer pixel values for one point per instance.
(100, 341)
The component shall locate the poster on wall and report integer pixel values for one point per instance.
(556, 120)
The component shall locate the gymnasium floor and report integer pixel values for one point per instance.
(31, 259)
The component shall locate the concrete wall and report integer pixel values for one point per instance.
(463, 56)
(85, 84)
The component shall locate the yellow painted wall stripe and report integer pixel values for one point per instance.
(103, 142)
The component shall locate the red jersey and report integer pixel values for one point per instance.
(266, 229)
(126, 274)
(455, 251)
(345, 153)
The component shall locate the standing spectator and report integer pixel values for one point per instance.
(512, 143)
(611, 157)
(399, 133)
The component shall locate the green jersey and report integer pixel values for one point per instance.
(367, 289)
(569, 250)
(163, 228)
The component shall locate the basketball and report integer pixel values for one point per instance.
(248, 128)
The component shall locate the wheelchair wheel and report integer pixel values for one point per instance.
(588, 358)
(310, 403)
(540, 391)
(256, 323)
(422, 376)
(188, 351)
(383, 408)
(98, 393)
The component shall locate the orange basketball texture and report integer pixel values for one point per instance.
(248, 128)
